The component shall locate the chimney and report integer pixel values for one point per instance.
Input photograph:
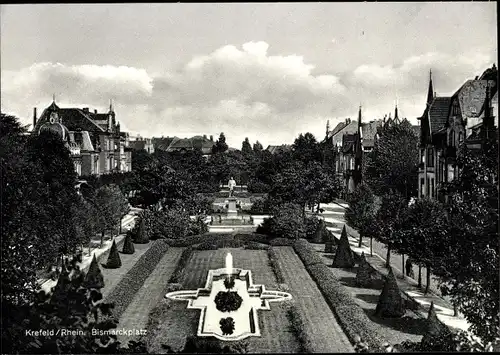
(211, 138)
(34, 117)
(204, 136)
(95, 111)
(85, 109)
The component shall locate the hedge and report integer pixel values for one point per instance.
(254, 237)
(298, 327)
(197, 239)
(282, 242)
(273, 261)
(354, 322)
(123, 294)
(256, 246)
(306, 253)
(181, 266)
(349, 314)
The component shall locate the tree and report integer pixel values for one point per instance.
(141, 160)
(361, 209)
(469, 271)
(390, 303)
(306, 149)
(94, 278)
(246, 148)
(423, 234)
(344, 257)
(257, 147)
(128, 245)
(389, 219)
(285, 223)
(393, 163)
(220, 145)
(114, 261)
(364, 273)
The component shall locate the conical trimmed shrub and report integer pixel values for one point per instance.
(128, 245)
(142, 231)
(390, 303)
(331, 243)
(94, 278)
(364, 273)
(344, 257)
(62, 286)
(320, 235)
(114, 261)
(436, 331)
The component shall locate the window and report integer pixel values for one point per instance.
(427, 193)
(460, 137)
(422, 186)
(430, 157)
(422, 155)
(451, 139)
(455, 110)
(432, 188)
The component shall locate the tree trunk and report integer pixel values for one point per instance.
(120, 224)
(360, 244)
(90, 244)
(428, 281)
(102, 238)
(419, 276)
(371, 245)
(455, 311)
(403, 265)
(319, 204)
(388, 256)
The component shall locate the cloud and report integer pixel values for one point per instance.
(241, 91)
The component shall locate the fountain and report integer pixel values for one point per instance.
(229, 313)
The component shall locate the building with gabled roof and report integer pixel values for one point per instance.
(275, 149)
(96, 137)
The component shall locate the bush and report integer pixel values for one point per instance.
(123, 294)
(142, 230)
(254, 237)
(273, 261)
(228, 301)
(128, 245)
(202, 345)
(287, 222)
(311, 227)
(181, 265)
(321, 233)
(94, 278)
(281, 242)
(256, 246)
(114, 261)
(298, 327)
(198, 226)
(258, 186)
(354, 321)
(260, 206)
(306, 253)
(334, 292)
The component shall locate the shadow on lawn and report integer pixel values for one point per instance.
(376, 284)
(409, 323)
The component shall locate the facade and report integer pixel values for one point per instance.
(448, 122)
(350, 140)
(275, 149)
(176, 144)
(94, 139)
(141, 143)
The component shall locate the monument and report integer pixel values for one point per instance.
(232, 212)
(231, 184)
(229, 303)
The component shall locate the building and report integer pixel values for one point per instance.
(350, 140)
(448, 122)
(176, 144)
(141, 143)
(275, 149)
(94, 139)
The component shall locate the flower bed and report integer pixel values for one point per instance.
(349, 314)
(228, 301)
(273, 261)
(181, 265)
(123, 294)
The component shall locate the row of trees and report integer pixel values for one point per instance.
(456, 240)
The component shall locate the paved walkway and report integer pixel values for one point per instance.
(333, 213)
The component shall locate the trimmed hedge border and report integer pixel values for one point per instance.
(282, 242)
(298, 327)
(256, 246)
(123, 294)
(181, 266)
(349, 314)
(273, 261)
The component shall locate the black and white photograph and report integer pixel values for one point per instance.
(280, 177)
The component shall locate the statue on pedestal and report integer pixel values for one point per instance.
(231, 184)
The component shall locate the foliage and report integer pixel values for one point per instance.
(321, 233)
(128, 245)
(181, 266)
(142, 231)
(94, 278)
(114, 261)
(306, 149)
(112, 206)
(469, 270)
(281, 242)
(197, 345)
(246, 148)
(275, 266)
(299, 328)
(261, 206)
(344, 256)
(227, 301)
(227, 326)
(312, 224)
(220, 145)
(257, 147)
(390, 303)
(286, 222)
(393, 163)
(141, 160)
(123, 293)
(361, 209)
(364, 273)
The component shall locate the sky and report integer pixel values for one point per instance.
(266, 71)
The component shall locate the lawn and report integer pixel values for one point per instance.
(150, 294)
(178, 322)
(113, 276)
(410, 327)
(325, 333)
